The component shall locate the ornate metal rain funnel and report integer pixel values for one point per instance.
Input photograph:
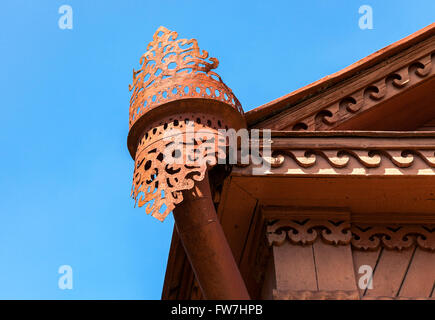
(177, 108)
(175, 90)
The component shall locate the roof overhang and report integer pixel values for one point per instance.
(384, 77)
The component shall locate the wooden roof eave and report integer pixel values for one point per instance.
(382, 63)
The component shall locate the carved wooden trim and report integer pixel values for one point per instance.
(316, 295)
(173, 69)
(340, 158)
(398, 237)
(368, 97)
(362, 237)
(307, 231)
(336, 162)
(177, 106)
(348, 155)
(365, 90)
(166, 164)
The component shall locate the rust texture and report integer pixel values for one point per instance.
(175, 97)
(256, 116)
(174, 69)
(158, 184)
(177, 107)
(205, 245)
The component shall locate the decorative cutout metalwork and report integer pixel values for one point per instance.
(167, 164)
(315, 295)
(174, 69)
(182, 104)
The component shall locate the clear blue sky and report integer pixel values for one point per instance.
(65, 174)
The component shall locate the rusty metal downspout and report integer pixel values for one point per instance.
(206, 246)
